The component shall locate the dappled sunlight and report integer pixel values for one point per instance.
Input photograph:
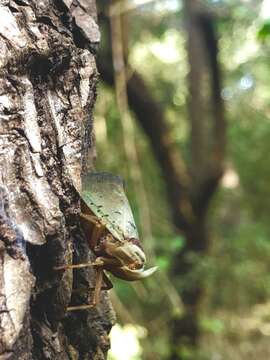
(265, 10)
(230, 179)
(125, 342)
(168, 50)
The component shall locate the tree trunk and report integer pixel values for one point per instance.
(207, 121)
(48, 88)
(185, 329)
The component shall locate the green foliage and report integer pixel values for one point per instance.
(214, 326)
(235, 273)
(264, 31)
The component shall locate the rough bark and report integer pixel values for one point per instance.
(48, 86)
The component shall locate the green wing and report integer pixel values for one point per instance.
(104, 194)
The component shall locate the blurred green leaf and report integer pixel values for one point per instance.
(215, 326)
(177, 243)
(163, 262)
(264, 31)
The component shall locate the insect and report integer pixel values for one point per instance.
(107, 217)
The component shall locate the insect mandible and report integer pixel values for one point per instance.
(108, 221)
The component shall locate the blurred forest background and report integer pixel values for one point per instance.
(183, 114)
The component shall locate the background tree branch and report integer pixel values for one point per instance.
(189, 188)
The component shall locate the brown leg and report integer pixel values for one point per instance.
(91, 218)
(96, 297)
(80, 307)
(97, 262)
(96, 233)
(107, 285)
(98, 287)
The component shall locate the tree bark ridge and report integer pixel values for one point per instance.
(48, 87)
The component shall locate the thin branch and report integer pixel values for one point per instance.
(127, 122)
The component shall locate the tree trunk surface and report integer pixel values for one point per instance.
(48, 81)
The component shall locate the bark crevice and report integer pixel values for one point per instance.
(48, 90)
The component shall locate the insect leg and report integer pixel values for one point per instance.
(91, 218)
(97, 262)
(80, 307)
(97, 231)
(96, 296)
